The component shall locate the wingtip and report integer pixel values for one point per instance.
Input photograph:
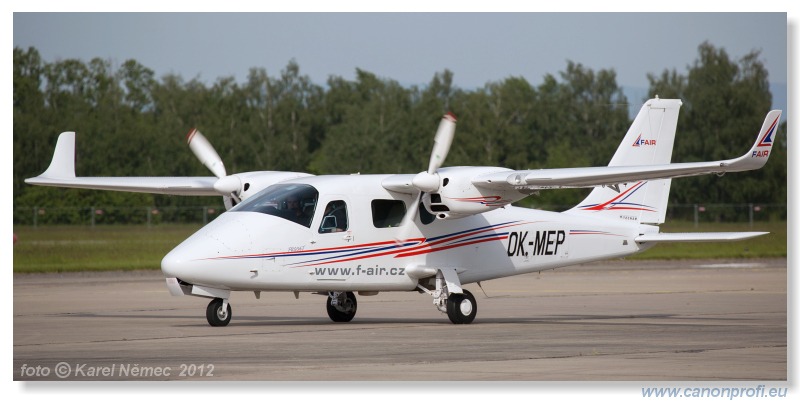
(62, 166)
(190, 135)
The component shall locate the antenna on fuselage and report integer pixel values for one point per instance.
(484, 291)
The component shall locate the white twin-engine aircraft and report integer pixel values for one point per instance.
(434, 232)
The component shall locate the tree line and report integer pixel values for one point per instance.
(130, 123)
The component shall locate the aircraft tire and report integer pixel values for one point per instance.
(215, 315)
(348, 314)
(461, 308)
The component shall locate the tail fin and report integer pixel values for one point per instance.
(649, 141)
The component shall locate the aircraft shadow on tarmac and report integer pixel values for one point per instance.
(258, 320)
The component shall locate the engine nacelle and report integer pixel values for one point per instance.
(458, 197)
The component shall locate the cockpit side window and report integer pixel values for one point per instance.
(293, 202)
(334, 218)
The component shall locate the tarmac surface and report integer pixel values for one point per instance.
(610, 321)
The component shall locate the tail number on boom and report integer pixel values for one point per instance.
(540, 243)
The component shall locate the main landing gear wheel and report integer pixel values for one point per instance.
(341, 306)
(461, 308)
(215, 315)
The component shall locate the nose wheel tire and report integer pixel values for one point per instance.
(344, 309)
(461, 308)
(216, 315)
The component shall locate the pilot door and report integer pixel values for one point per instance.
(332, 225)
(332, 238)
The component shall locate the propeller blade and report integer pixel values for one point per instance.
(206, 153)
(429, 181)
(408, 220)
(442, 142)
(226, 185)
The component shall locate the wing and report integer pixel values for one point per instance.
(178, 186)
(615, 175)
(61, 173)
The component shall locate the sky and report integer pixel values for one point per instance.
(478, 47)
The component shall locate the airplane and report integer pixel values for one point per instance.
(432, 232)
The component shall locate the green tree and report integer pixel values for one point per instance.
(131, 123)
(580, 122)
(30, 131)
(428, 105)
(372, 129)
(725, 102)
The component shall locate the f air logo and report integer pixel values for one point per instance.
(765, 141)
(543, 243)
(643, 142)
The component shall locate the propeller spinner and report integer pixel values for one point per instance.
(429, 181)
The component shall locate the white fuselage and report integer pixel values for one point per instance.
(245, 250)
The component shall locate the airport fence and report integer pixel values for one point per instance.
(153, 215)
(110, 215)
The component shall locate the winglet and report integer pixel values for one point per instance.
(759, 153)
(63, 164)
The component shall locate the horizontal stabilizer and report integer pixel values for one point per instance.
(698, 236)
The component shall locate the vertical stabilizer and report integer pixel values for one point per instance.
(649, 141)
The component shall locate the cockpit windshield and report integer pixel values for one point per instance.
(293, 202)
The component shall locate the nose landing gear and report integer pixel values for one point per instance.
(341, 306)
(218, 312)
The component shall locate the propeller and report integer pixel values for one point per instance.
(227, 185)
(429, 181)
